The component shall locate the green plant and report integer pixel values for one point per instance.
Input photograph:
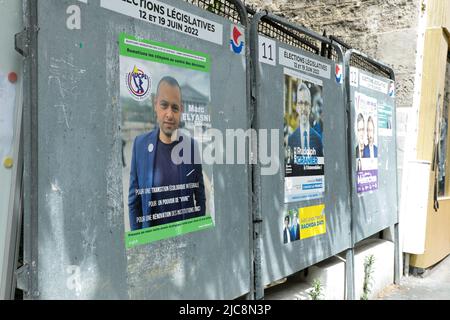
(316, 292)
(368, 272)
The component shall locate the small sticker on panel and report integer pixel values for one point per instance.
(312, 221)
(304, 64)
(339, 74)
(237, 40)
(267, 51)
(354, 77)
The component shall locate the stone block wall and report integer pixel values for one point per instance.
(384, 29)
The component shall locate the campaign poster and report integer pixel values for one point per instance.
(385, 120)
(165, 106)
(291, 226)
(313, 221)
(366, 149)
(304, 223)
(303, 138)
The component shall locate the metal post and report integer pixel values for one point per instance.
(248, 72)
(396, 255)
(30, 123)
(350, 259)
(256, 210)
(349, 274)
(406, 265)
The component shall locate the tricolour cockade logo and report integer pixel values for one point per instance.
(237, 44)
(339, 76)
(139, 83)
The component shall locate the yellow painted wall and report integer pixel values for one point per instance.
(437, 243)
(433, 79)
(438, 13)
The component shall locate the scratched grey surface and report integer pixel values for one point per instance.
(376, 210)
(278, 259)
(81, 230)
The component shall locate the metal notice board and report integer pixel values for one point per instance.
(75, 221)
(303, 209)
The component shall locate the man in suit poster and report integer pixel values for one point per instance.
(287, 230)
(295, 228)
(304, 163)
(162, 105)
(371, 150)
(361, 136)
(366, 149)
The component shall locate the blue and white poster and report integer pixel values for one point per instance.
(303, 138)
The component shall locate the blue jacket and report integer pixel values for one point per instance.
(141, 177)
(295, 232)
(366, 151)
(315, 141)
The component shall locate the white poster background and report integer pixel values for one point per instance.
(296, 188)
(302, 63)
(168, 17)
(371, 83)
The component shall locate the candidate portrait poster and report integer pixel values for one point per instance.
(366, 148)
(166, 111)
(303, 138)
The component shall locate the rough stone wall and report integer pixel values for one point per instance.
(383, 29)
(348, 18)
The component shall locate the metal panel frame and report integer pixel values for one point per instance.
(257, 18)
(244, 20)
(382, 69)
(30, 151)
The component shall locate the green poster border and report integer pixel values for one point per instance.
(175, 229)
(167, 231)
(161, 57)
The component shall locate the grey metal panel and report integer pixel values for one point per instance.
(277, 259)
(376, 210)
(80, 224)
(80, 227)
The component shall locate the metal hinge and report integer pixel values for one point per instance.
(23, 278)
(21, 43)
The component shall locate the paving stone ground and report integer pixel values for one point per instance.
(434, 284)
